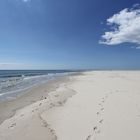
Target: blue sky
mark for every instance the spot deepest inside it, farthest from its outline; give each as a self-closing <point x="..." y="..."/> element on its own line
<point x="69" y="34"/>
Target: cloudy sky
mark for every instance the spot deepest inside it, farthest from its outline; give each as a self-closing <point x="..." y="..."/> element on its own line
<point x="69" y="34"/>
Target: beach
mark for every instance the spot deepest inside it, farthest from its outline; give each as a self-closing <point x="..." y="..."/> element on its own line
<point x="93" y="105"/>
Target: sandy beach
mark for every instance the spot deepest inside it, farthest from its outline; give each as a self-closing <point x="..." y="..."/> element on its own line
<point x="94" y="105"/>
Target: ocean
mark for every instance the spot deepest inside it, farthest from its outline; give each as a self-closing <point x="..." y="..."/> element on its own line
<point x="13" y="82"/>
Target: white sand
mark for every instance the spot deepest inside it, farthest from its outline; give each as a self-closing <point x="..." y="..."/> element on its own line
<point x="105" y="105"/>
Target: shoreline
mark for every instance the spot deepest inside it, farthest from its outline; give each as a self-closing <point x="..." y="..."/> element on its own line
<point x="101" y="105"/>
<point x="9" y="107"/>
<point x="31" y="114"/>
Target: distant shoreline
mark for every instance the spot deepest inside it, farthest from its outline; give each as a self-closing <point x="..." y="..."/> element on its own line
<point x="8" y="107"/>
<point x="16" y="82"/>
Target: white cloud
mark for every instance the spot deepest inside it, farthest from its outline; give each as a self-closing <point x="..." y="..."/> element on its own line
<point x="125" y="27"/>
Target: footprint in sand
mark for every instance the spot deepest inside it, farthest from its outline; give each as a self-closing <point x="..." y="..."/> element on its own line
<point x="52" y="105"/>
<point x="100" y="104"/>
<point x="101" y="121"/>
<point x="95" y="128"/>
<point x="60" y="103"/>
<point x="88" y="138"/>
<point x="102" y="109"/>
<point x="12" y="125"/>
<point x="98" y="113"/>
<point x="103" y="101"/>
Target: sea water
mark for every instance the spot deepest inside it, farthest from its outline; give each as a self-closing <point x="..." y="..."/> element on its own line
<point x="14" y="82"/>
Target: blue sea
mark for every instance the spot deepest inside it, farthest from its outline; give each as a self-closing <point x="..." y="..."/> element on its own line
<point x="13" y="82"/>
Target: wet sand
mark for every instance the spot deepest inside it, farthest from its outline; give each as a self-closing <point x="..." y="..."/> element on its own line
<point x="36" y="93"/>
